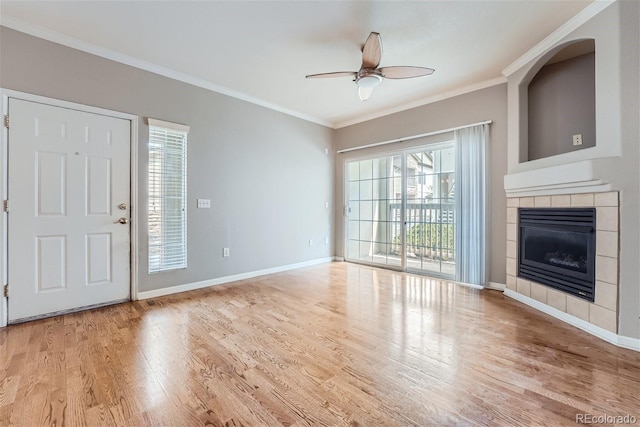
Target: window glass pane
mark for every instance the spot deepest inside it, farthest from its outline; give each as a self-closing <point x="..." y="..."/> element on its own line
<point x="167" y="220"/>
<point x="366" y="190"/>
<point x="366" y="169"/>
<point x="354" y="190"/>
<point x="380" y="167"/>
<point x="354" y="171"/>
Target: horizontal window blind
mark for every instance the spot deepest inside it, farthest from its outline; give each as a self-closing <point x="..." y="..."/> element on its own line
<point x="167" y="220"/>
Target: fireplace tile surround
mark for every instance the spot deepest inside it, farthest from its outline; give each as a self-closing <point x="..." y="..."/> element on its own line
<point x="603" y="311"/>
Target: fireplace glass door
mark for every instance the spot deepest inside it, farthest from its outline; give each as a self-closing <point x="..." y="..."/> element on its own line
<point x="557" y="248"/>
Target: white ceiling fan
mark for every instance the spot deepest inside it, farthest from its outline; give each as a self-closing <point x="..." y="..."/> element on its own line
<point x="369" y="76"/>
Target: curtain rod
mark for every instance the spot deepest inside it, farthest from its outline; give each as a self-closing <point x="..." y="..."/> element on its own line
<point x="391" y="141"/>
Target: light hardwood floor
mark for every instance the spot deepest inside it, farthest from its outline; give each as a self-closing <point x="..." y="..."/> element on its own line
<point x="333" y="344"/>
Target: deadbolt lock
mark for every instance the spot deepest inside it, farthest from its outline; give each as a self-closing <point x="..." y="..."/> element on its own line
<point x="122" y="206"/>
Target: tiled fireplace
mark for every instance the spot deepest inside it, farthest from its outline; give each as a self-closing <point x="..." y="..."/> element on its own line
<point x="603" y="311"/>
<point x="548" y="167"/>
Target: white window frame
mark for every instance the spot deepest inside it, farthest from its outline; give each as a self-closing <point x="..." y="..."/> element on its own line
<point x="167" y="213"/>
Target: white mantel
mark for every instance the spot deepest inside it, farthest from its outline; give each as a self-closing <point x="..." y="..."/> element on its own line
<point x="585" y="176"/>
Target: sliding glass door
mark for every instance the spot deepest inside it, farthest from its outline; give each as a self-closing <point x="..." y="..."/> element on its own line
<point x="401" y="210"/>
<point x="430" y="210"/>
<point x="374" y="222"/>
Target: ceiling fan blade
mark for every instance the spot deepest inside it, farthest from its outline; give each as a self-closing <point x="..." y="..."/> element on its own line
<point x="405" y="72"/>
<point x="336" y="74"/>
<point x="372" y="51"/>
<point x="364" y="92"/>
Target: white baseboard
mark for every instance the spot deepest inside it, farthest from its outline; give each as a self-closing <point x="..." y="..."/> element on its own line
<point x="466" y="285"/>
<point x="615" y="339"/>
<point x="226" y="279"/>
<point x="496" y="286"/>
<point x="628" y="342"/>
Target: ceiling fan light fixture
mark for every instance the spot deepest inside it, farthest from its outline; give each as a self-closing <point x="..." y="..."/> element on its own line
<point x="369" y="81"/>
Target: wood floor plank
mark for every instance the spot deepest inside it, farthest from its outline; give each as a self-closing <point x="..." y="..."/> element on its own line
<point x="336" y="344"/>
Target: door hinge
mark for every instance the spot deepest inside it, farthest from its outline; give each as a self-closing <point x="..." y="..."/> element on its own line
<point x="5" y="206"/>
<point x="6" y="291"/>
<point x="6" y="120"/>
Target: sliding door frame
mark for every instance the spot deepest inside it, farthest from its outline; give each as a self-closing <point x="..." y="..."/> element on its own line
<point x="403" y="153"/>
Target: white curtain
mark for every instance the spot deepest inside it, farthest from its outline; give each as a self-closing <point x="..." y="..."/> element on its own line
<point x="470" y="198"/>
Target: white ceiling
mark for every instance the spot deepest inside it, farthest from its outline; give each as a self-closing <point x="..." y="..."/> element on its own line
<point x="261" y="51"/>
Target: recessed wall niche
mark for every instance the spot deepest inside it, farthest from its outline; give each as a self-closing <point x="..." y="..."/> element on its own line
<point x="561" y="102"/>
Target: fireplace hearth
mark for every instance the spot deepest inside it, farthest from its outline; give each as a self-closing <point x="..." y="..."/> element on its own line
<point x="557" y="247"/>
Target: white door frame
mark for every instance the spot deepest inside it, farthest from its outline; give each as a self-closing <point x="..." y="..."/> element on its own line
<point x="6" y="94"/>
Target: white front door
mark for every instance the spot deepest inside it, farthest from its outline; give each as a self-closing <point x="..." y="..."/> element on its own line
<point x="68" y="184"/>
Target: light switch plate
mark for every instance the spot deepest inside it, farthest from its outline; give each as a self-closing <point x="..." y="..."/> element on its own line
<point x="204" y="203"/>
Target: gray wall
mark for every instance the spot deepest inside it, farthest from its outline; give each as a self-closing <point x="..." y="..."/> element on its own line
<point x="266" y="173"/>
<point x="485" y="104"/>
<point x="562" y="103"/>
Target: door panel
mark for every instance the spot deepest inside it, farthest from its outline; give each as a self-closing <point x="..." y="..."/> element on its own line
<point x="51" y="180"/>
<point x="68" y="172"/>
<point x="372" y="185"/>
<point x="98" y="186"/>
<point x="429" y="211"/>
<point x="50" y="263"/>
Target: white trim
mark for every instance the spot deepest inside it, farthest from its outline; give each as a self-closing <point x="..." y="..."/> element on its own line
<point x="555" y="37"/>
<point x="338" y="259"/>
<point x="568" y="178"/>
<point x="8" y="93"/>
<point x="134" y="212"/>
<point x="72" y="42"/>
<point x="430" y="100"/>
<point x="168" y="125"/>
<point x="409" y="138"/>
<point x="628" y="342"/>
<point x="466" y="285"/>
<point x="4" y="313"/>
<point x="610" y="337"/>
<point x="497" y="286"/>
<point x="227" y="279"/>
<point x="66" y="104"/>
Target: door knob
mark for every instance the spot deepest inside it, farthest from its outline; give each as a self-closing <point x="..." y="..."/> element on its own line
<point x="122" y="220"/>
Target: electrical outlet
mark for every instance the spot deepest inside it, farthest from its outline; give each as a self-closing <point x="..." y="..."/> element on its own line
<point x="225" y="252"/>
<point x="326" y="240"/>
<point x="326" y="151"/>
<point x="577" y="139"/>
<point x="326" y="205"/>
<point x="204" y="203"/>
<point x="310" y="242"/>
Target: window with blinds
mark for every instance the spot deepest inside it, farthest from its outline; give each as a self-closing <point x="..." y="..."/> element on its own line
<point x="167" y="220"/>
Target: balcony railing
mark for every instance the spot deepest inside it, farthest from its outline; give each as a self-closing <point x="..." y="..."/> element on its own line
<point x="429" y="229"/>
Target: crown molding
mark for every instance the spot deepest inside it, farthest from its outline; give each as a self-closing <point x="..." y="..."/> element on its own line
<point x="430" y="100"/>
<point x="72" y="42"/>
<point x="552" y="39"/>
